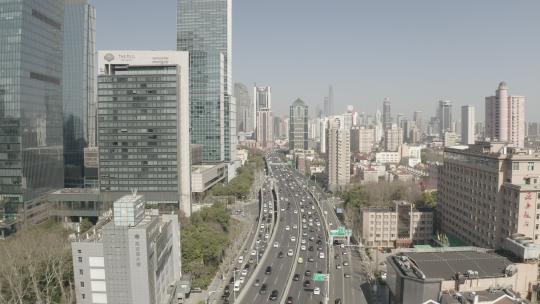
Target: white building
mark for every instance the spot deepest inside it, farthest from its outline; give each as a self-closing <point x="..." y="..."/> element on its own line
<point x="366" y="140"/>
<point x="339" y="155"/>
<point x="467" y="125"/>
<point x="131" y="258"/>
<point x="393" y="138"/>
<point x="505" y="117"/>
<point x="388" y="157"/>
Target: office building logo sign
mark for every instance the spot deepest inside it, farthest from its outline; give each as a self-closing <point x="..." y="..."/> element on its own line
<point x="109" y="57"/>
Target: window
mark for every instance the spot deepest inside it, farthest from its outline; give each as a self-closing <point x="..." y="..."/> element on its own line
<point x="79" y="251"/>
<point x="80" y="259"/>
<point x="83" y="296"/>
<point x="81" y="272"/>
<point x="530" y="166"/>
<point x="82" y="284"/>
<point x="515" y="166"/>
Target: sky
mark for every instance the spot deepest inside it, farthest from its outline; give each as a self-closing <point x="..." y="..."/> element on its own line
<point x="415" y="52"/>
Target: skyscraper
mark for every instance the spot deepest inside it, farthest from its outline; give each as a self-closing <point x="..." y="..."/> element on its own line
<point x="444" y="113"/>
<point x="386" y="115"/>
<point x="505" y="117"/>
<point x="298" y="125"/>
<point x="78" y="88"/>
<point x="262" y="97"/>
<point x="467" y="125"/>
<point x="204" y="29"/>
<point x="244" y="109"/>
<point x="31" y="146"/>
<point x="393" y="138"/>
<point x="265" y="128"/>
<point x="143" y="123"/>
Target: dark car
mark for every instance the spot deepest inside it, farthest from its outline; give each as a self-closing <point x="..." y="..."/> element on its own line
<point x="310" y="248"/>
<point x="307" y="273"/>
<point x="231" y="280"/>
<point x="280" y="254"/>
<point x="263" y="289"/>
<point x="337" y="301"/>
<point x="257" y="283"/>
<point x="289" y="300"/>
<point x="268" y="270"/>
<point x="307" y="283"/>
<point x="296" y="277"/>
<point x="273" y="296"/>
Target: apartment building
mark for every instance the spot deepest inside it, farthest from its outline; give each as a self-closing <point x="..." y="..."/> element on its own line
<point x="393" y="138"/>
<point x="398" y="226"/>
<point x="338" y="155"/>
<point x="489" y="191"/>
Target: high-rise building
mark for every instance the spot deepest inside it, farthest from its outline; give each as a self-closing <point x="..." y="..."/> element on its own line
<point x="387" y="114"/>
<point x="143" y="123"/>
<point x="467" y="125"/>
<point x="323" y="134"/>
<point x="204" y="29"/>
<point x="298" y="125"/>
<point x="338" y="154"/>
<point x="265" y="129"/>
<point x="244" y="109"/>
<point x="533" y="129"/>
<point x="262" y="97"/>
<point x="393" y="138"/>
<point x="444" y="114"/>
<point x="418" y="122"/>
<point x="79" y="89"/>
<point x="505" y="117"/>
<point x="132" y="257"/>
<point x="31" y="120"/>
<point x="489" y="191"/>
<point x="366" y="140"/>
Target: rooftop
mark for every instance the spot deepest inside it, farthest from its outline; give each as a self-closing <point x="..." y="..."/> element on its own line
<point x="445" y="265"/>
<point x="494" y="296"/>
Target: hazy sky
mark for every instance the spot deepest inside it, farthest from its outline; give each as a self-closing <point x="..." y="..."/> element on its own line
<point x="415" y="52"/>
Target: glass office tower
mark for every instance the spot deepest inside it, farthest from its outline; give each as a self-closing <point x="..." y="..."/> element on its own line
<point x="78" y="88"/>
<point x="31" y="152"/>
<point x="204" y="29"/>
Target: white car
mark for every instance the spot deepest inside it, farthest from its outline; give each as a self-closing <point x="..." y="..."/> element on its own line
<point x="241" y="280"/>
<point x="290" y="252"/>
<point x="253" y="252"/>
<point x="295" y="211"/>
<point x="295" y="226"/>
<point x="303" y="241"/>
<point x="321" y="255"/>
<point x="266" y="236"/>
<point x="287" y="228"/>
<point x="318" y="223"/>
<point x="293" y="239"/>
<point x="262" y="226"/>
<point x="282" y="209"/>
<point x="303" y="247"/>
<point x="241" y="259"/>
<point x="276" y="244"/>
<point x="244" y="273"/>
<point x="237" y="286"/>
<point x="316" y="291"/>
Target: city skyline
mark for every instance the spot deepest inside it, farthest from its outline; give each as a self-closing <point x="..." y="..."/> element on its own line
<point x="428" y="67"/>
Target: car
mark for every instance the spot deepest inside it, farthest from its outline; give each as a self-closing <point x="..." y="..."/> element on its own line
<point x="304" y="220"/>
<point x="321" y="255"/>
<point x="338" y="266"/>
<point x="290" y="252"/>
<point x="303" y="241"/>
<point x="268" y="270"/>
<point x="276" y="244"/>
<point x="262" y="290"/>
<point x="307" y="273"/>
<point x="282" y="209"/>
<point x="319" y="242"/>
<point x="293" y="239"/>
<point x="287" y="227"/>
<point x="241" y="280"/>
<point x="253" y="252"/>
<point x="274" y="295"/>
<point x="295" y="226"/>
<point x="347" y="275"/>
<point x="338" y="301"/>
<point x="307" y="283"/>
<point x="345" y="263"/>
<point x="316" y="291"/>
<point x="257" y="283"/>
<point x="303" y="247"/>
<point x="244" y="272"/>
<point x="344" y="252"/>
<point x="241" y="259"/>
<point x="262" y="226"/>
<point x="300" y="260"/>
<point x="318" y="223"/>
<point x="310" y="248"/>
<point x="236" y="286"/>
<point x="342" y="245"/>
<point x="295" y="211"/>
<point x="289" y="300"/>
<point x="280" y="255"/>
<point x="267" y="236"/>
<point x="231" y="280"/>
<point x="310" y="259"/>
<point x="296" y="277"/>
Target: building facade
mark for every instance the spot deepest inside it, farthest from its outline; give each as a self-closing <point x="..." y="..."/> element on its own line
<point x="467" y="125"/>
<point x="488" y="192"/>
<point x="366" y="140"/>
<point x="143" y="122"/>
<point x="265" y="129"/>
<point x="31" y="122"/>
<point x="505" y="117"/>
<point x="444" y="114"/>
<point x="338" y="155"/>
<point x="398" y="226"/>
<point x="133" y="257"/>
<point x="393" y="138"/>
<point x="204" y="29"/>
<point x="244" y="109"/>
<point x="387" y="114"/>
<point x="298" y="125"/>
<point x="79" y="88"/>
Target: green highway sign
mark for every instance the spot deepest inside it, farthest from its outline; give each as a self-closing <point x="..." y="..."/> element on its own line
<point x="320" y="277"/>
<point x="341" y="231"/>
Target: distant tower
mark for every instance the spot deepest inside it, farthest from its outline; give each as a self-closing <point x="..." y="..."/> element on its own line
<point x="298" y="126"/>
<point x="505" y="117"/>
<point x="467" y="125"/>
<point x="330" y="100"/>
<point x="387" y="115"/>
